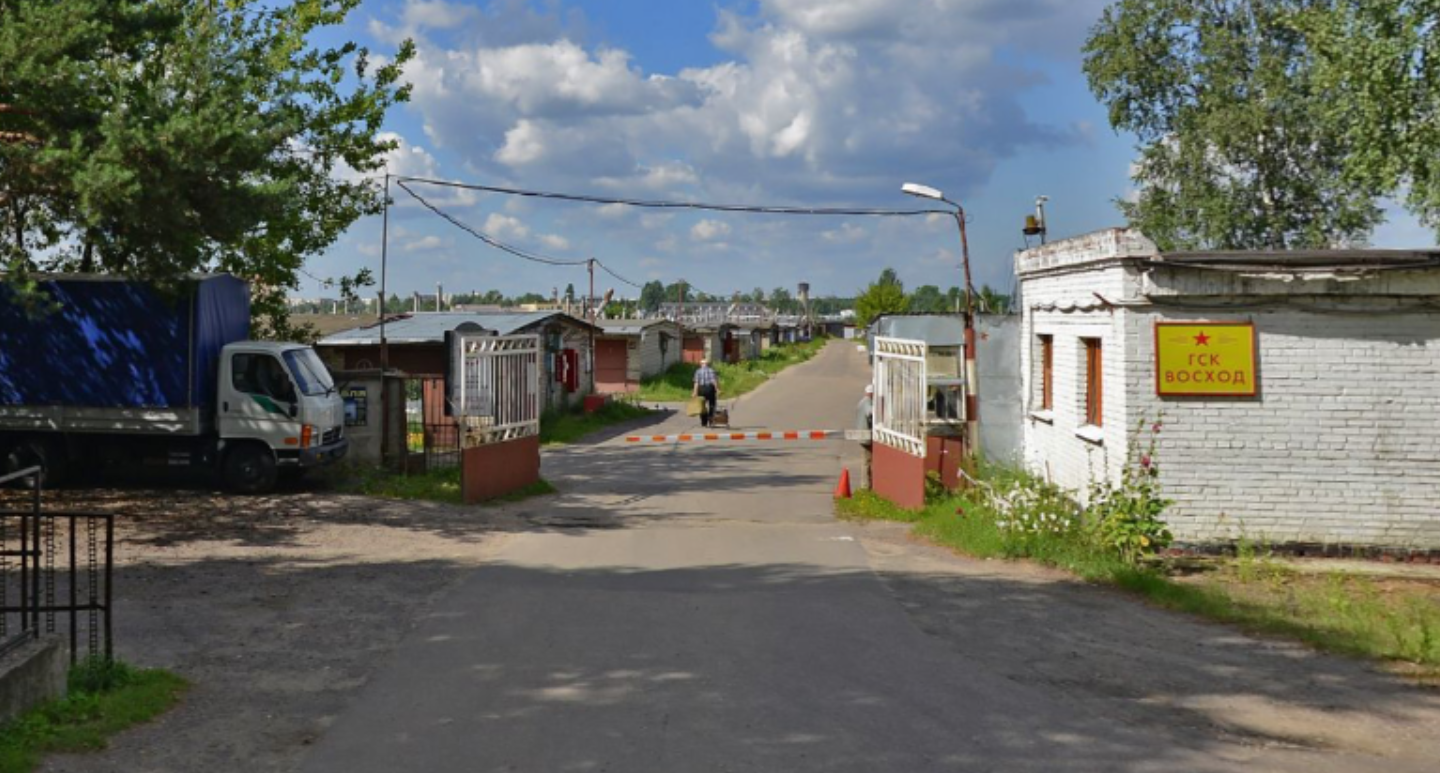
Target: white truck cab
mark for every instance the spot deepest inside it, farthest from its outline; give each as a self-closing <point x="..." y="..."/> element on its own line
<point x="277" y="410"/>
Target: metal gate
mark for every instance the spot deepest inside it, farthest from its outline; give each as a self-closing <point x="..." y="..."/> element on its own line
<point x="900" y="397"/>
<point x="50" y="574"/>
<point x="431" y="436"/>
<point x="496" y="393"/>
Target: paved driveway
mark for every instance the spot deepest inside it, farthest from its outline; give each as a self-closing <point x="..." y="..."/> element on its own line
<point x="697" y="608"/>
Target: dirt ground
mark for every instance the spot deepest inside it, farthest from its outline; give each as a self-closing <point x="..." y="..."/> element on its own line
<point x="275" y="609"/>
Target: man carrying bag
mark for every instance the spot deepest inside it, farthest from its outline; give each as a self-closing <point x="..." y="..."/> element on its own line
<point x="706" y="391"/>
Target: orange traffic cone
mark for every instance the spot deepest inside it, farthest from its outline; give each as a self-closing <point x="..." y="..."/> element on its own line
<point x="842" y="489"/>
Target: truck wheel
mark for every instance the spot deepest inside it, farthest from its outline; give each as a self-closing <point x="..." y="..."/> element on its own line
<point x="250" y="469"/>
<point x="36" y="451"/>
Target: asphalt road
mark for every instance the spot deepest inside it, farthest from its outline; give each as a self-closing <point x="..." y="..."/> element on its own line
<point x="698" y="608"/>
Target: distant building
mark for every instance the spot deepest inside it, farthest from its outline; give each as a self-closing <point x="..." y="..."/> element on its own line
<point x="710" y="312"/>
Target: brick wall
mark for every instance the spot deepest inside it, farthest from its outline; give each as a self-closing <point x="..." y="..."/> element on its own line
<point x="1057" y="444"/>
<point x="1341" y="446"/>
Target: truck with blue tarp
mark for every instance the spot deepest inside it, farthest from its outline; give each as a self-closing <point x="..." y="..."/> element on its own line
<point x="109" y="371"/>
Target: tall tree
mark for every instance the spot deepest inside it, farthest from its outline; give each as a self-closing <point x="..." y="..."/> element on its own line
<point x="988" y="300"/>
<point x="651" y="296"/>
<point x="927" y="298"/>
<point x="154" y="138"/>
<point x="1380" y="61"/>
<point x="1225" y="101"/>
<point x="885" y="295"/>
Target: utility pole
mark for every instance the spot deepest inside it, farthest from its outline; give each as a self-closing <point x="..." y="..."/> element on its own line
<point x="384" y="347"/>
<point x="590" y="304"/>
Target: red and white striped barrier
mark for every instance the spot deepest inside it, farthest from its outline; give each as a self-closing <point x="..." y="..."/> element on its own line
<point x="711" y="437"/>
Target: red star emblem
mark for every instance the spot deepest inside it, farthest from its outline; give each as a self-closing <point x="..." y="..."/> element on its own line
<point x="1202" y="339"/>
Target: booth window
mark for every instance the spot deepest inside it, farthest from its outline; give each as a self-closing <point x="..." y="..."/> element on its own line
<point x="1047" y="372"/>
<point x="1094" y="383"/>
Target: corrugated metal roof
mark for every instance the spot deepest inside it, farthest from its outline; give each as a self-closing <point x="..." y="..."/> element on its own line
<point x="933" y="329"/>
<point x="431" y="326"/>
<point x="1303" y="260"/>
<point x="630" y="326"/>
<point x="424" y="327"/>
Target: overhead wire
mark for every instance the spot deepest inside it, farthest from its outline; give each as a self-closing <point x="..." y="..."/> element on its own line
<point x="661" y="204"/>
<point x="490" y="240"/>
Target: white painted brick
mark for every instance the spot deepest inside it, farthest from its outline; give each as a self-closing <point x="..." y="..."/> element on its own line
<point x="1341" y="445"/>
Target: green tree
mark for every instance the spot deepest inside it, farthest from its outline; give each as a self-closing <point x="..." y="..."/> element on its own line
<point x="1228" y="111"/>
<point x="651" y="296"/>
<point x="1380" y="62"/>
<point x="782" y="302"/>
<point x="154" y="138"/>
<point x="927" y="298"/>
<point x="885" y="295"/>
<point x="988" y="300"/>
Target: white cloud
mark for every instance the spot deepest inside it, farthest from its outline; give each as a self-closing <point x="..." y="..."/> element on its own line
<point x="661" y="177"/>
<point x="505" y="227"/>
<point x="555" y="242"/>
<point x="426" y="244"/>
<point x="709" y="230"/>
<point x="847" y="233"/>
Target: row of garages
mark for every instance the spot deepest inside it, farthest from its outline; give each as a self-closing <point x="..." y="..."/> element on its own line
<point x="625" y="351"/>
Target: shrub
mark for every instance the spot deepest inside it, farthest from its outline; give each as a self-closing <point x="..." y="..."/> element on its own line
<point x="1125" y="516"/>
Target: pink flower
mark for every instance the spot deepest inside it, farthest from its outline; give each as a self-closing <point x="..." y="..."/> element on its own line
<point x="1145" y="461"/>
<point x="1155" y="427"/>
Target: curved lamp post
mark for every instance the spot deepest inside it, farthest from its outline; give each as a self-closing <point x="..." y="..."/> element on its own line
<point x="972" y="380"/>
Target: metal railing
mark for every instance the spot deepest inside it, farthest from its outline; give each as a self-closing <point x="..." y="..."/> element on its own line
<point x="44" y="578"/>
<point x="901" y="394"/>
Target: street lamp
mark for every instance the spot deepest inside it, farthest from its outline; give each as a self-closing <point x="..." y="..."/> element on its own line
<point x="972" y="379"/>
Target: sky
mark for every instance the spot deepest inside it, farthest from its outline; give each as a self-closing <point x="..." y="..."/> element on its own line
<point x="800" y="103"/>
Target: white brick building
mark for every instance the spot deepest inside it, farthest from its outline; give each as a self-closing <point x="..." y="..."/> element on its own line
<point x="1340" y="445"/>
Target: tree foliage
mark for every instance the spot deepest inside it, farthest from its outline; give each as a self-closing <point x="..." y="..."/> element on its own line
<point x="1380" y="61"/>
<point x="1227" y="104"/>
<point x="885" y="295"/>
<point x="928" y="299"/>
<point x="154" y="138"/>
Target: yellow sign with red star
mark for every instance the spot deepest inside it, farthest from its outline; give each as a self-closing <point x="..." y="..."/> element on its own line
<point x="1205" y="359"/>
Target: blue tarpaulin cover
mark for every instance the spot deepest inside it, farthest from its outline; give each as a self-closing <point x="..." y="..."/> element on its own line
<point x="121" y="344"/>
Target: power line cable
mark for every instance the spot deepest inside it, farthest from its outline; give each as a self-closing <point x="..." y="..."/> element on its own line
<point x="660" y="204"/>
<point x="493" y="242"/>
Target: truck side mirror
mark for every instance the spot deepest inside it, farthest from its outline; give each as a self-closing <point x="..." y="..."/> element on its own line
<point x="294" y="410"/>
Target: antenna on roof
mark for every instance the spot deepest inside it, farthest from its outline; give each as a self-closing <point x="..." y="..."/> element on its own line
<point x="1035" y="224"/>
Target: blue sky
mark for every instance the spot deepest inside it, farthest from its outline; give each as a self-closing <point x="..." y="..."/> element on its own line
<point x="780" y="102"/>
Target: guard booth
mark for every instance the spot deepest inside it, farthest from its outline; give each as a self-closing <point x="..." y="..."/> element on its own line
<point x="496" y="398"/>
<point x="918" y="416"/>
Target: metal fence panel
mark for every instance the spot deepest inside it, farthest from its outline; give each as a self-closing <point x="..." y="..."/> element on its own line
<point x="47" y="572"/>
<point x="497" y="395"/>
<point x="900" y="394"/>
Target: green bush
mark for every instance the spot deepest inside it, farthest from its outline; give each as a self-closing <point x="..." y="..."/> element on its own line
<point x="1126" y="516"/>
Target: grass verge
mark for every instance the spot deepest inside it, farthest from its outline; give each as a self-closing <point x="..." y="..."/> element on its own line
<point x="559" y="427"/>
<point x="104" y="699"/>
<point x="674" y="385"/>
<point x="441" y="485"/>
<point x="1390" y="620"/>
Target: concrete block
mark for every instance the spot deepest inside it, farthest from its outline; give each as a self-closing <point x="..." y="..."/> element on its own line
<point x="31" y="676"/>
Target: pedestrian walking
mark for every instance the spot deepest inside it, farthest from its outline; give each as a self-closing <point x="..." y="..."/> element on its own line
<point x="707" y="388"/>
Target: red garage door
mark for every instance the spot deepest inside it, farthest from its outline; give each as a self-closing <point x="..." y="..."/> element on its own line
<point x="694" y="350"/>
<point x="612" y="366"/>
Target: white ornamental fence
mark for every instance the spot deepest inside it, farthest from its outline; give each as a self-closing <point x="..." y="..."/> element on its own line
<point x="495" y="395"/>
<point x="899" y="406"/>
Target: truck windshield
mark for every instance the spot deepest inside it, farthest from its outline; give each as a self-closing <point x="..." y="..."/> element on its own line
<point x="310" y="374"/>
